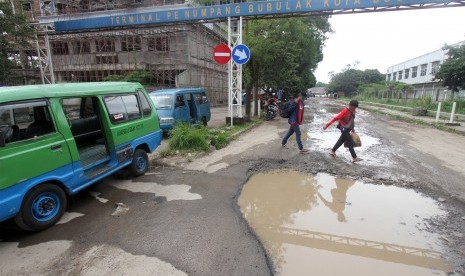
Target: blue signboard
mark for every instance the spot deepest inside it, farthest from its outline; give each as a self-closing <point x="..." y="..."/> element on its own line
<point x="241" y="54"/>
<point x="258" y="8"/>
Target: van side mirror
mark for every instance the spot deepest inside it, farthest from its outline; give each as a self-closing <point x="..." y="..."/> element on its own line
<point x="2" y="140"/>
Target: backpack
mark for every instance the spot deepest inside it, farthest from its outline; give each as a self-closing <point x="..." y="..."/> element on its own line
<point x="284" y="111"/>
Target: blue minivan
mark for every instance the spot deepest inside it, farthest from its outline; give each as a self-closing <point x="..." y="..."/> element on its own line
<point x="189" y="105"/>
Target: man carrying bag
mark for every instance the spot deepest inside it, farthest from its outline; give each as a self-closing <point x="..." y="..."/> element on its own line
<point x="346" y="124"/>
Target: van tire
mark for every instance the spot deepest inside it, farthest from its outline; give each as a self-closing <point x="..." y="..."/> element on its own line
<point x="140" y="163"/>
<point x="204" y="121"/>
<point x="32" y="216"/>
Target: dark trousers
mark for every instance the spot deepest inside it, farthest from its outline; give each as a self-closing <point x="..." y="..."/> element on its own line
<point x="293" y="128"/>
<point x="345" y="137"/>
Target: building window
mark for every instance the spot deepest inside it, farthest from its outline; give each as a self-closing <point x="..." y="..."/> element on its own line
<point x="414" y="71"/>
<point x="407" y="73"/>
<point x="159" y="44"/>
<point x="394" y="75"/>
<point x="434" y="67"/>
<point x="131" y="43"/>
<point x="113" y="59"/>
<point x="59" y="48"/>
<point x="388" y="77"/>
<point x="105" y="45"/>
<point x="81" y="47"/>
<point x="424" y="67"/>
<point x="26" y="6"/>
<point x="400" y="75"/>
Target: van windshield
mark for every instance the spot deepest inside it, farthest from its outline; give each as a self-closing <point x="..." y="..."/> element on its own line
<point x="162" y="101"/>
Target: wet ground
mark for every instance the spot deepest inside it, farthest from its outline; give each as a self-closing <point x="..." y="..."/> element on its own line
<point x="255" y="208"/>
<point x="339" y="226"/>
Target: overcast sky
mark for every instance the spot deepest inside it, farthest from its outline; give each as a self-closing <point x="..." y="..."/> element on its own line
<point x="381" y="39"/>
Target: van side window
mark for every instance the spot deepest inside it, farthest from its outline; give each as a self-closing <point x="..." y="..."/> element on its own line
<point x="146" y="110"/>
<point x="122" y="108"/>
<point x="180" y="100"/>
<point x="198" y="98"/>
<point x="23" y="121"/>
<point x="78" y="108"/>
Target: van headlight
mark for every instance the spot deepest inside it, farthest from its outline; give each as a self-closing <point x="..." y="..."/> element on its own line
<point x="167" y="120"/>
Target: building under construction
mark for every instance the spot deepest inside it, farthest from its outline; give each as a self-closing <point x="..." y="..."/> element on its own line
<point x="165" y="56"/>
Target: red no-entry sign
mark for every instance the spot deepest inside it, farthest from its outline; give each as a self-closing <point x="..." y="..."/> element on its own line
<point x="222" y="53"/>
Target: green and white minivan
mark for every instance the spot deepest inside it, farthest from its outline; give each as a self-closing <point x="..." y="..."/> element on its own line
<point x="56" y="140"/>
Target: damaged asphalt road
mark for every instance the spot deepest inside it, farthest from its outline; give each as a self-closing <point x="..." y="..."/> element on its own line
<point x="186" y="219"/>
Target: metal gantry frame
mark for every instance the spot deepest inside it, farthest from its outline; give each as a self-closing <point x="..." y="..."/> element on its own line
<point x="44" y="52"/>
<point x="45" y="59"/>
<point x="234" y="70"/>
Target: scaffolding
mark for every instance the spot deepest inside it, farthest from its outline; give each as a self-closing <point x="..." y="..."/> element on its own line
<point x="162" y="56"/>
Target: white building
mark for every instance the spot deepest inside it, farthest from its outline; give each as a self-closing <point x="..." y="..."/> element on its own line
<point x="420" y="72"/>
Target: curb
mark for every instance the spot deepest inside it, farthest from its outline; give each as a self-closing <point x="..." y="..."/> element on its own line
<point x="248" y="128"/>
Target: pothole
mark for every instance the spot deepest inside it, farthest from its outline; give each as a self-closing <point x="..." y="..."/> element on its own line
<point x="322" y="225"/>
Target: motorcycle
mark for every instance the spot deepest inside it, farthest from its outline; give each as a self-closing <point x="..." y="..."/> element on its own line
<point x="271" y="111"/>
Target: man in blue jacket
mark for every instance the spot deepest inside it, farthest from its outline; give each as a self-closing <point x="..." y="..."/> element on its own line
<point x="296" y="110"/>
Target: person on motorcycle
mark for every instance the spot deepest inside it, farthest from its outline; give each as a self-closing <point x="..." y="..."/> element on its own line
<point x="271" y="108"/>
<point x="296" y="110"/>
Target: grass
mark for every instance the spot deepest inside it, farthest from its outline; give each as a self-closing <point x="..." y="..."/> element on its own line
<point x="426" y="103"/>
<point x="417" y="121"/>
<point x="187" y="140"/>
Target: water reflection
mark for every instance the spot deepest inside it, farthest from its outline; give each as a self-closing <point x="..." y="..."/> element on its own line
<point x="339" y="195"/>
<point x="293" y="215"/>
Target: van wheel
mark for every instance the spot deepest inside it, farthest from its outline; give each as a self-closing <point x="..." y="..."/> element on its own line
<point x="42" y="207"/>
<point x="204" y="121"/>
<point x="140" y="163"/>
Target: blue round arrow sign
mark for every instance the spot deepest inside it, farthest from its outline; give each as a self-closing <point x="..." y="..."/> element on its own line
<point x="241" y="54"/>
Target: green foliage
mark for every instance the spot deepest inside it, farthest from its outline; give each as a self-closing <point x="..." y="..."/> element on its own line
<point x="15" y="33"/>
<point x="114" y="78"/>
<point x="452" y="71"/>
<point x="143" y="77"/>
<point x="219" y="140"/>
<point x="350" y="79"/>
<point x="370" y="91"/>
<point x="185" y="137"/>
<point x="285" y="52"/>
<point x="426" y="103"/>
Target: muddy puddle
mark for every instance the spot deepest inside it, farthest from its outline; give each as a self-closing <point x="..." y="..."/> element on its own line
<point x="322" y="225"/>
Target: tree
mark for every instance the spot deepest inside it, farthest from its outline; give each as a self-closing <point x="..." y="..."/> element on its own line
<point x="321" y="84"/>
<point x="349" y="80"/>
<point x="15" y="33"/>
<point x="452" y="71"/>
<point x="285" y="52"/>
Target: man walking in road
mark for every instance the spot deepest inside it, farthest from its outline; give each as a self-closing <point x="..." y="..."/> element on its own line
<point x="346" y="124"/>
<point x="296" y="111"/>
